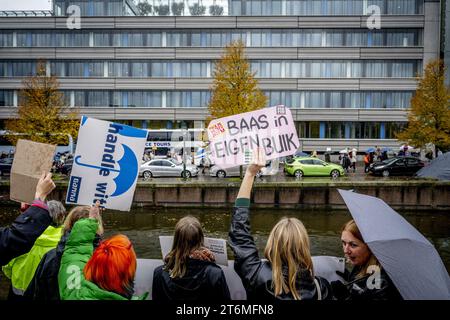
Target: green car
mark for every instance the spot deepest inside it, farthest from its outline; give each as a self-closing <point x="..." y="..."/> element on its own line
<point x="307" y="166"/>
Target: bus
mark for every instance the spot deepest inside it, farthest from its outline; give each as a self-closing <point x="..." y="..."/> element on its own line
<point x="177" y="143"/>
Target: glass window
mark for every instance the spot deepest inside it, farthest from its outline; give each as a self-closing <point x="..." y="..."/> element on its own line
<point x="6" y="98"/>
<point x="102" y="39"/>
<point x="139" y="69"/>
<point x="98" y="98"/>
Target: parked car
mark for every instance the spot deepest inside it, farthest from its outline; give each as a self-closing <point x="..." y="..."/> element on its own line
<point x="270" y="168"/>
<point x="399" y="166"/>
<point x="166" y="168"/>
<point x="66" y="168"/>
<point x="307" y="166"/>
<point x="5" y="165"/>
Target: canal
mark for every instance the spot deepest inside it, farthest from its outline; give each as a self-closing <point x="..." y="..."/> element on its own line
<point x="143" y="226"/>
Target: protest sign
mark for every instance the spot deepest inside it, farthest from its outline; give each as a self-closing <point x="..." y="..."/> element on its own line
<point x="30" y="160"/>
<point x="106" y="164"/>
<point x="232" y="139"/>
<point x="217" y="246"/>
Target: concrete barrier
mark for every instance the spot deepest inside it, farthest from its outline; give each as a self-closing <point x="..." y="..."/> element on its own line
<point x="403" y="195"/>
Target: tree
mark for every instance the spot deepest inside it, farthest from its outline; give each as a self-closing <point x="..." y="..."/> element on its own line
<point x="235" y="90"/>
<point x="145" y="8"/>
<point x="429" y="117"/>
<point x="42" y="116"/>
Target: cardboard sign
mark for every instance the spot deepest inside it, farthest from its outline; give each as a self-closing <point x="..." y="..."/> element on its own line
<point x="30" y="160"/>
<point x="106" y="164"/>
<point x="232" y="139"/>
<point x="217" y="246"/>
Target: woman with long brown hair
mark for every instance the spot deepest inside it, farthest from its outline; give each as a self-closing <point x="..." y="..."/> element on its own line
<point x="288" y="272"/>
<point x="189" y="271"/>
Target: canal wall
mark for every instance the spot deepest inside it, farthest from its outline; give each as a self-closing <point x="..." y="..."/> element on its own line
<point x="403" y="195"/>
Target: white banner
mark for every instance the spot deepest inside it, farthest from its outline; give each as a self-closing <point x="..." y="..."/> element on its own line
<point x="106" y="164"/>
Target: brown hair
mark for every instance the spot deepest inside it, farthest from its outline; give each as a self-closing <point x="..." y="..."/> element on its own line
<point x="78" y="213"/>
<point x="288" y="245"/>
<point x="188" y="237"/>
<point x="351" y="227"/>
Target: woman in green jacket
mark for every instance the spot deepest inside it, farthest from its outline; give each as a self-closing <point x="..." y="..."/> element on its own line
<point x="21" y="269"/>
<point x="104" y="274"/>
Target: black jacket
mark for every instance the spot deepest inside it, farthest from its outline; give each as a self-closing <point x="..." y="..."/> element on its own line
<point x="256" y="274"/>
<point x="44" y="285"/>
<point x="203" y="281"/>
<point x="19" y="238"/>
<point x="357" y="289"/>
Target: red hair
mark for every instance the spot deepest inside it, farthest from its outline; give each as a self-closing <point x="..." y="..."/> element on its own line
<point x="113" y="266"/>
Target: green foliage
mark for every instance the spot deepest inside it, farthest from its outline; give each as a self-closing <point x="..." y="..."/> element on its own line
<point x="429" y="117"/>
<point x="42" y="116"/>
<point x="235" y="90"/>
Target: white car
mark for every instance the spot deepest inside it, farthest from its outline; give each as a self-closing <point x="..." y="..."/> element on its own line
<point x="166" y="168"/>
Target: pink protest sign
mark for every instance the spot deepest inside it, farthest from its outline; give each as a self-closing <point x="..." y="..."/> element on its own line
<point x="232" y="139"/>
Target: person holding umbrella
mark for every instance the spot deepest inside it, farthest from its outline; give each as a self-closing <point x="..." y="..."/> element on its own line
<point x="367" y="280"/>
<point x="403" y="254"/>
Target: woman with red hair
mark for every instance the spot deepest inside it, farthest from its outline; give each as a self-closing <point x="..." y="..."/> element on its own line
<point x="104" y="274"/>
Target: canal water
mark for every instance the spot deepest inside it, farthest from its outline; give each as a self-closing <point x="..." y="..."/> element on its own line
<point x="144" y="225"/>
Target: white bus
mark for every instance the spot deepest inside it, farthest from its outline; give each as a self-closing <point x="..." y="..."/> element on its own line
<point x="177" y="142"/>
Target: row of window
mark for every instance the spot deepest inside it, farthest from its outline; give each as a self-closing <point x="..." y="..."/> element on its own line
<point x="349" y="130"/>
<point x="203" y="69"/>
<point x="214" y="38"/>
<point x="241" y="7"/>
<point x="200" y="98"/>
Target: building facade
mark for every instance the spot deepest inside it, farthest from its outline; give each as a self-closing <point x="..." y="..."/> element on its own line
<point x="348" y="84"/>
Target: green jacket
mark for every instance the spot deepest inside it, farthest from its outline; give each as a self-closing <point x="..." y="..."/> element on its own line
<point x="77" y="252"/>
<point x="21" y="269"/>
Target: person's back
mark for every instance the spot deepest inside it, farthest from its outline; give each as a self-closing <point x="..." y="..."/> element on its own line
<point x="44" y="285"/>
<point x="203" y="281"/>
<point x="287" y="274"/>
<point x="21" y="269"/>
<point x="104" y="274"/>
<point x="189" y="271"/>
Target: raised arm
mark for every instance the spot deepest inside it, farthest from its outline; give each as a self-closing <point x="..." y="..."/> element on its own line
<point x="246" y="258"/>
<point x="20" y="237"/>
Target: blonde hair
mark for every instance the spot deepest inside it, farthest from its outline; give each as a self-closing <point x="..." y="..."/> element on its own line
<point x="188" y="237"/>
<point x="78" y="213"/>
<point x="351" y="227"/>
<point x="288" y="245"/>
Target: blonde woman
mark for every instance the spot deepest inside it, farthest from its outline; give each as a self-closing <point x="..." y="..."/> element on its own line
<point x="189" y="271"/>
<point x="288" y="272"/>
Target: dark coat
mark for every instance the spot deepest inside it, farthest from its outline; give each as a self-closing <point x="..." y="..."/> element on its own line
<point x="203" y="281"/>
<point x="44" y="285"/>
<point x="256" y="274"/>
<point x="357" y="289"/>
<point x="19" y="238"/>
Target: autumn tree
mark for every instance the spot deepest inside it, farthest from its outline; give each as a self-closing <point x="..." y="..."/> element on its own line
<point x="235" y="89"/>
<point x="429" y="117"/>
<point x="42" y="116"/>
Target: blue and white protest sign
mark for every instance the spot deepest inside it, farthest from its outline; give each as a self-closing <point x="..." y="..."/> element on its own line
<point x="106" y="164"/>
